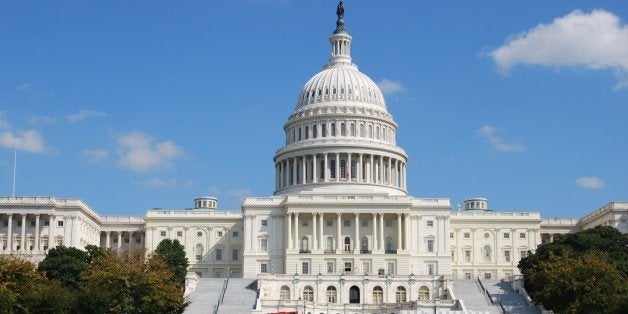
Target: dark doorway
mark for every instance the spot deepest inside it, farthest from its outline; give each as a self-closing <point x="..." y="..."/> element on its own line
<point x="354" y="295"/>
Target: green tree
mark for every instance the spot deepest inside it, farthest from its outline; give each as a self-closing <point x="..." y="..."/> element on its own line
<point x="65" y="264"/>
<point x="173" y="254"/>
<point x="582" y="272"/>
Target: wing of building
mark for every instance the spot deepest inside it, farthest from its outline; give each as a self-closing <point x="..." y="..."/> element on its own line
<point x="340" y="228"/>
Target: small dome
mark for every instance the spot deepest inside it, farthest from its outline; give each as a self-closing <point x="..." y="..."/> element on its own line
<point x="340" y="82"/>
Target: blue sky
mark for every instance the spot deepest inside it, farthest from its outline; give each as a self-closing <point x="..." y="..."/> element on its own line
<point x="131" y="105"/>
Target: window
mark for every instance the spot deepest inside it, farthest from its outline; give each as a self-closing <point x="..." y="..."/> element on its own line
<point x="308" y="294"/>
<point x="263" y="244"/>
<point x="507" y="255"/>
<point x="506" y="235"/>
<point x="307" y="132"/>
<point x="451" y="235"/>
<point x="424" y="293"/>
<point x="523" y="254"/>
<point x="332" y="127"/>
<point x="330" y="267"/>
<point x="126" y="240"/>
<point x="389" y="223"/>
<point x="59" y="223"/>
<point x="305" y="223"/>
<point x="378" y="295"/>
<point x="331" y="294"/>
<point x="391" y="268"/>
<point x="430" y="223"/>
<point x="347" y="244"/>
<point x="199" y="234"/>
<point x="431" y="268"/>
<point x="234" y="234"/>
<point x="19" y="223"/>
<point x="163" y="233"/>
<point x="343" y="130"/>
<point x="234" y="254"/>
<point x="487" y="235"/>
<point x="305" y="245"/>
<point x="430" y="245"/>
<point x="314" y="131"/>
<point x="46" y="223"/>
<point x="220" y="234"/>
<point x="263" y="268"/>
<point x="364" y="244"/>
<point x="138" y="240"/>
<point x="365" y="223"/>
<point x="467" y="255"/>
<point x="329" y="248"/>
<point x="389" y="245"/>
<point x="488" y="275"/>
<point x="284" y="293"/>
<point x="32" y="223"/>
<point x="329" y="223"/>
<point x="264" y="222"/>
<point x="522" y="235"/>
<point x="347" y="223"/>
<point x="366" y="267"/>
<point x="179" y="233"/>
<point x="219" y="254"/>
<point x="6" y="223"/>
<point x="487" y="253"/>
<point x="467" y="235"/>
<point x="199" y="252"/>
<point x="324" y="130"/>
<point x="305" y="268"/>
<point x="400" y="294"/>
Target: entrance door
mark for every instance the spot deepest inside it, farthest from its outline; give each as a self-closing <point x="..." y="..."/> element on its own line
<point x="354" y="295"/>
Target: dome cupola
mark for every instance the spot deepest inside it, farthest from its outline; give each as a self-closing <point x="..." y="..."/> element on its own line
<point x="340" y="137"/>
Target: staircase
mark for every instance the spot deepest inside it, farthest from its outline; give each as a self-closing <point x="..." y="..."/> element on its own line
<point x="511" y="301"/>
<point x="475" y="301"/>
<point x="206" y="296"/>
<point x="240" y="296"/>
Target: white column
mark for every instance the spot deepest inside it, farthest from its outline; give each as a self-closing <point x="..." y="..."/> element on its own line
<point x="107" y="239"/>
<point x="356" y="248"/>
<point x="294" y="171"/>
<point x="406" y="241"/>
<point x="337" y="167"/>
<point x="348" y="171"/>
<point x="338" y="232"/>
<point x="23" y="234"/>
<point x="314" y="234"/>
<point x="389" y="172"/>
<point x="380" y="172"/>
<point x="396" y="183"/>
<point x="371" y="170"/>
<point x="314" y="173"/>
<point x="382" y="245"/>
<point x="286" y="170"/>
<point x="374" y="245"/>
<point x="37" y="249"/>
<point x="75" y="231"/>
<point x="399" y="239"/>
<point x="321" y="231"/>
<point x="296" y="231"/>
<point x="360" y="168"/>
<point x="51" y="233"/>
<point x="325" y="168"/>
<point x="303" y="170"/>
<point x="10" y="233"/>
<point x="119" y="240"/>
<point x="289" y="215"/>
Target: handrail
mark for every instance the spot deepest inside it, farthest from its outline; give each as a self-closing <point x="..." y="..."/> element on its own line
<point x="225" y="284"/>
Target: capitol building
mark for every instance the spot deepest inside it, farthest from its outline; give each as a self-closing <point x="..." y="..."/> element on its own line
<point x="340" y="227"/>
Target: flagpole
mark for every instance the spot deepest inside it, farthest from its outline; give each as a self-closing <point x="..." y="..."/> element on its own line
<point x="14" y="166"/>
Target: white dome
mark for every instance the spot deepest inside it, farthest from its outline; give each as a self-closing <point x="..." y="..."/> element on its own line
<point x="340" y="82"/>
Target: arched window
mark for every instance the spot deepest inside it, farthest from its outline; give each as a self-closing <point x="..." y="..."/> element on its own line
<point x="378" y="295"/>
<point x="305" y="245"/>
<point x="364" y="244"/>
<point x="352" y="129"/>
<point x="400" y="294"/>
<point x="284" y="293"/>
<point x="343" y="167"/>
<point x="332" y="168"/>
<point x="347" y="244"/>
<point x="314" y="131"/>
<point x="389" y="245"/>
<point x="331" y="294"/>
<point x="324" y="130"/>
<point x="308" y="294"/>
<point x="199" y="252"/>
<point x="343" y="129"/>
<point x="333" y="129"/>
<point x="487" y="254"/>
<point x="330" y="244"/>
<point x="362" y="133"/>
<point x="307" y="132"/>
<point x="424" y="293"/>
<point x="377" y="132"/>
<point x="370" y="131"/>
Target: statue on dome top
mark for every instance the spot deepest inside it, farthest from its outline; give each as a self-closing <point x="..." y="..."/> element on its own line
<point x="340" y="23"/>
<point x="340" y="11"/>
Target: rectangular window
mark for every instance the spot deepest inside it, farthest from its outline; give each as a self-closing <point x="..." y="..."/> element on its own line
<point x="523" y="254"/>
<point x="330" y="267"/>
<point x="220" y="234"/>
<point x="430" y="223"/>
<point x="219" y="254"/>
<point x="234" y="254"/>
<point x="451" y="235"/>
<point x="391" y="268"/>
<point x="366" y="267"/>
<point x="126" y="240"/>
<point x="314" y="131"/>
<point x="263" y="245"/>
<point x="264" y="222"/>
<point x="32" y="223"/>
<point x="507" y="256"/>
<point x="138" y="240"/>
<point x="365" y="223"/>
<point x="329" y="223"/>
<point x="263" y="268"/>
<point x="431" y="268"/>
<point x="389" y="223"/>
<point x="467" y="235"/>
<point x="179" y="233"/>
<point x="163" y="233"/>
<point x="467" y="255"/>
<point x="347" y="223"/>
<point x="5" y="223"/>
<point x="234" y="234"/>
<point x="19" y="223"/>
<point x="506" y="235"/>
<point x="305" y="223"/>
<point x="522" y="235"/>
<point x="452" y="255"/>
<point x="305" y="268"/>
<point x="430" y="245"/>
<point x="46" y="223"/>
<point x="60" y="223"/>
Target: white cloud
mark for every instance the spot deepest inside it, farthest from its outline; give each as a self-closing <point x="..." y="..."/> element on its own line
<point x="84" y="114"/>
<point x="4" y="124"/>
<point x="29" y="141"/>
<point x="590" y="182"/>
<point x="595" y="40"/>
<point x="389" y="86"/>
<point x="94" y="155"/>
<point x="140" y="153"/>
<point x="490" y="135"/>
<point x="24" y="88"/>
<point x="158" y="183"/>
<point x="41" y="120"/>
